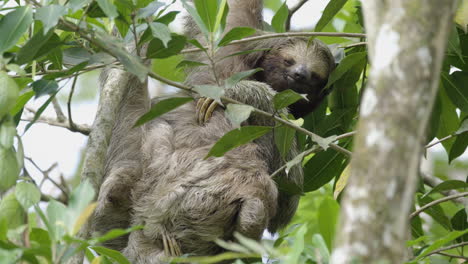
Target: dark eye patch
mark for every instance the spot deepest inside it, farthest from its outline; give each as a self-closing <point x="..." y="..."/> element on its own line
<point x="289" y="62"/>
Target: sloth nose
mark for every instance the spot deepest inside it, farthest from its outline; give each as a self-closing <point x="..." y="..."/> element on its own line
<point x="300" y="73"/>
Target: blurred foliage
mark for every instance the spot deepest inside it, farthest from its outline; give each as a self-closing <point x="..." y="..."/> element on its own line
<point x="47" y="48"/>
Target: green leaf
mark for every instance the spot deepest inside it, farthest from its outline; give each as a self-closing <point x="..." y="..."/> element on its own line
<point x="460" y="222"/>
<point x="454" y="44"/>
<point x="463" y="127"/>
<point x="9" y="168"/>
<point x="10" y="256"/>
<point x="13" y="25"/>
<point x="332" y="8"/>
<point x="12" y="211"/>
<point x="207" y="10"/>
<point x="27" y="194"/>
<point x="56" y="58"/>
<point x="319" y="243"/>
<point x="237" y="77"/>
<point x="284" y="137"/>
<point x="57" y="217"/>
<point x="449" y="121"/>
<point x="286" y="98"/>
<point x="157" y="49"/>
<point x="346" y="65"/>
<point x="49" y="15"/>
<point x="132" y="63"/>
<point x="80" y="198"/>
<point x="114" y="233"/>
<point x="211" y="91"/>
<point x="298" y="246"/>
<point x="108" y="8"/>
<point x="31" y="48"/>
<point x="40" y="236"/>
<point x="456" y="86"/>
<point x="441" y="242"/>
<point x="436" y="212"/>
<point x="7" y="134"/>
<point x="75" y="56"/>
<point x="447" y="185"/>
<point x="236" y="138"/>
<point x="459" y="146"/>
<point x="328" y="217"/>
<point x="236" y="34"/>
<point x="322" y="168"/>
<point x="75" y="5"/>
<point x="196" y="17"/>
<point x="221" y="15"/>
<point x="113" y="254"/>
<point x="278" y="22"/>
<point x="43" y="87"/>
<point x="68" y="72"/>
<point x="149" y="10"/>
<point x="161" y="32"/>
<point x="162" y="107"/>
<point x="238" y="113"/>
<point x="167" y="18"/>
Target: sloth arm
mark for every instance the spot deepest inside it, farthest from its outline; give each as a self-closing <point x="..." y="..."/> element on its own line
<point x="123" y="167"/>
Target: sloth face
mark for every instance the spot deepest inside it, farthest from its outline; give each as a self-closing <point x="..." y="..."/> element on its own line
<point x="300" y="67"/>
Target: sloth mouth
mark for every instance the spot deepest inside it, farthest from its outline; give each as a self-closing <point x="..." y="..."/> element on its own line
<point x="298" y="86"/>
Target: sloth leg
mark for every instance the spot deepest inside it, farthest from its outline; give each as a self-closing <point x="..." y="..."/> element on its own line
<point x="205" y="108"/>
<point x="252" y="219"/>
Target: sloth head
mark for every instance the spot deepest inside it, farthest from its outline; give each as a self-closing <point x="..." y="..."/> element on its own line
<point x="300" y="65"/>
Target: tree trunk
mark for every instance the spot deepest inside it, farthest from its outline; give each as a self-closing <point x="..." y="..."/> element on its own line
<point x="407" y="41"/>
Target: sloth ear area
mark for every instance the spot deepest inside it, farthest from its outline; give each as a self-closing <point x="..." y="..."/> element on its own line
<point x="254" y="59"/>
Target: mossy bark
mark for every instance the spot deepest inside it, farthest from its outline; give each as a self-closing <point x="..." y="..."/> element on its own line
<point x="407" y="40"/>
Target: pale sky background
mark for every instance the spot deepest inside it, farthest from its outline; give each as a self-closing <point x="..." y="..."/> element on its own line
<point x="47" y="144"/>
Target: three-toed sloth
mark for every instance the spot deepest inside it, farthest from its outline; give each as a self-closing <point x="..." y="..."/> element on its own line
<point x="156" y="174"/>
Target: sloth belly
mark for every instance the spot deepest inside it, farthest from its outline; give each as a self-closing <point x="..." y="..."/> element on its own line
<point x="196" y="200"/>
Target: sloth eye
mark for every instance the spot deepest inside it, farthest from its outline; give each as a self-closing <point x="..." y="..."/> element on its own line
<point x="289" y="62"/>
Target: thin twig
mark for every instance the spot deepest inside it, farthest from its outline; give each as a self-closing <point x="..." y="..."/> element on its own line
<point x="354" y="45"/>
<point x="433" y="182"/>
<point x="441" y="200"/>
<point x="314" y="149"/>
<point x="440" y="141"/>
<point x="70" y="120"/>
<point x="437" y="251"/>
<point x="286" y="35"/>
<point x="83" y="129"/>
<point x="45" y="173"/>
<point x="87" y="69"/>
<point x="58" y="110"/>
<point x="451" y="256"/>
<point x="345" y="135"/>
<point x="291" y="12"/>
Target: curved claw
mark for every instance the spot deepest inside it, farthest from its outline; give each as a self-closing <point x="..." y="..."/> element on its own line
<point x="205" y="108"/>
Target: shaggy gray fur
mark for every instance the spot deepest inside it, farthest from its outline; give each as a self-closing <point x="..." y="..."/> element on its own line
<point x="156" y="174"/>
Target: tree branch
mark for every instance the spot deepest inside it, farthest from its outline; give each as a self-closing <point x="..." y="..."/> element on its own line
<point x="58" y="110"/>
<point x="292" y="11"/>
<point x="438" y="251"/>
<point x="433" y="182"/>
<point x="284" y="35"/>
<point x="451" y="256"/>
<point x="83" y="129"/>
<point x="387" y="147"/>
<point x="436" y="202"/>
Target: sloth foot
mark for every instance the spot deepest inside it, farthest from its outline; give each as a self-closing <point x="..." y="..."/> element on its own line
<point x="205" y="108"/>
<point x="171" y="247"/>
